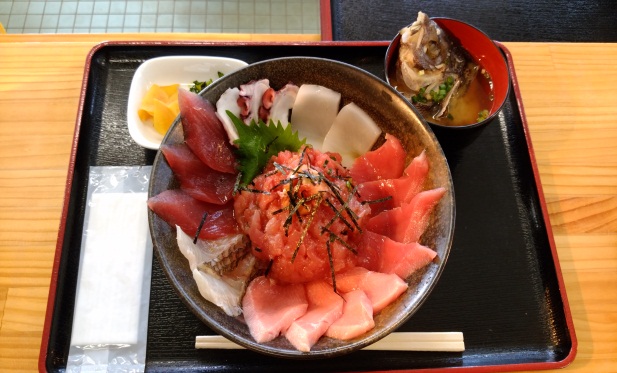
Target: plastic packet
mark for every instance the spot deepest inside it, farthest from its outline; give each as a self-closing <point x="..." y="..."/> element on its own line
<point x="110" y="322"/>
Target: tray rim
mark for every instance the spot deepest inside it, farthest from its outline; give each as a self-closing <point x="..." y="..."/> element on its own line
<point x="42" y="363"/>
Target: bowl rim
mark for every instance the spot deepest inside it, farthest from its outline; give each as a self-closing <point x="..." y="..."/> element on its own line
<point x="392" y="52"/>
<point x="249" y="343"/>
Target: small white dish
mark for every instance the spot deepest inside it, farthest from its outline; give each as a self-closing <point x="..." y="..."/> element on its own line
<point x="169" y="70"/>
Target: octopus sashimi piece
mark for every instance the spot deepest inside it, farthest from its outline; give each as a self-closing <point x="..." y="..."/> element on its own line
<point x="314" y="111"/>
<point x="196" y="178"/>
<point x="385" y="162"/>
<point x="225" y="290"/>
<point x="270" y="308"/>
<point x="407" y="223"/>
<point x="353" y="133"/>
<point x="357" y="317"/>
<point x="402" y="190"/>
<point x="204" y="133"/>
<point x="325" y="307"/>
<point x="381" y="288"/>
<point x="177" y="207"/>
<point x="229" y="102"/>
<point x="381" y="254"/>
<point x="282" y="103"/>
<point x="250" y="99"/>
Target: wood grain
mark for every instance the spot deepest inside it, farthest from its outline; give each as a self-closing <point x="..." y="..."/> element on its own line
<point x="571" y="106"/>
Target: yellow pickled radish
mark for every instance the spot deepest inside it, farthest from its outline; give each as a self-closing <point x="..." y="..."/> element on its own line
<point x="161" y="105"/>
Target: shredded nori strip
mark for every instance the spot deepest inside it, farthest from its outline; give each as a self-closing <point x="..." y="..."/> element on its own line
<point x="306" y="227"/>
<point x="331" y="262"/>
<point x="268" y="268"/>
<point x="257" y="249"/>
<point x="201" y="225"/>
<point x="384" y="199"/>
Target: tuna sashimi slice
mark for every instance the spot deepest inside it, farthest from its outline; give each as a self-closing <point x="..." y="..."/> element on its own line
<point x="407" y="223"/>
<point x="381" y="288"/>
<point x="385" y="162"/>
<point x="196" y="178"/>
<point x="387" y="256"/>
<point x="325" y="307"/>
<point x="176" y="207"/>
<point x="204" y="132"/>
<point x="357" y="317"/>
<point x="402" y="190"/>
<point x="270" y="308"/>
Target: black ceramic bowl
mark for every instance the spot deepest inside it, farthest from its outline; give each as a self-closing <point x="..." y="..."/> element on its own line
<point x="394" y="115"/>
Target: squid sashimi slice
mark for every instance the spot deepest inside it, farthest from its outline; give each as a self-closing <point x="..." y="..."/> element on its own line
<point x="381" y="288"/>
<point x="314" y="112"/>
<point x="407" y="223"/>
<point x="251" y="99"/>
<point x="177" y="207"/>
<point x="226" y="290"/>
<point x="353" y="133"/>
<point x="387" y="256"/>
<point x="229" y="102"/>
<point x="270" y="308"/>
<point x="221" y="254"/>
<point x="283" y="102"/>
<point x="357" y="317"/>
<point x="402" y="190"/>
<point x="204" y="133"/>
<point x="325" y="307"/>
<point x="385" y="162"/>
<point x="197" y="179"/>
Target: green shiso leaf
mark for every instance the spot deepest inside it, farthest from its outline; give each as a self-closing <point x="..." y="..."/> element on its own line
<point x="258" y="142"/>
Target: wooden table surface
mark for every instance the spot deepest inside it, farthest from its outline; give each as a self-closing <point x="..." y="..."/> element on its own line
<point x="570" y="97"/>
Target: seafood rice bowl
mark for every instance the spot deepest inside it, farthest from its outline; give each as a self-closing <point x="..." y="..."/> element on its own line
<point x="340" y="212"/>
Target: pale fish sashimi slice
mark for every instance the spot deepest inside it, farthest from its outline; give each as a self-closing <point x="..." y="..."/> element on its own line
<point x="283" y="103"/>
<point x="229" y="102"/>
<point x="352" y="134"/>
<point x="407" y="223"/>
<point x="325" y="307"/>
<point x="385" y="162"/>
<point x="357" y="317"/>
<point x="314" y="112"/>
<point x="269" y="308"/>
<point x="251" y="94"/>
<point x="221" y="254"/>
<point x="204" y="132"/>
<point x="388" y="256"/>
<point x="381" y="288"/>
<point x="225" y="291"/>
<point x="401" y="190"/>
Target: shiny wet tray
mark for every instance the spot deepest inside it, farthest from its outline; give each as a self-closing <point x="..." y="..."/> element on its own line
<point x="501" y="286"/>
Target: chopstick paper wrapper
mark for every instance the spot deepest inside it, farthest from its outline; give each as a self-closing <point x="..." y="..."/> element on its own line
<point x="401" y="341"/>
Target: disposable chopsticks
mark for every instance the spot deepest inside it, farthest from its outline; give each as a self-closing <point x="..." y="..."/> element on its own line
<point x="400" y="341"/>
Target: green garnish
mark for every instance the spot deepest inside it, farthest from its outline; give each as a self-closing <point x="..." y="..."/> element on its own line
<point x="482" y="115"/>
<point x="199" y="86"/>
<point x="258" y="142"/>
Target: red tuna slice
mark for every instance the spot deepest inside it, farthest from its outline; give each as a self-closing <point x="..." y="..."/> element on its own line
<point x="204" y="132"/>
<point x="176" y="207"/>
<point x="381" y="288"/>
<point x="357" y="317"/>
<point x="402" y="190"/>
<point x="325" y="307"/>
<point x="407" y="223"/>
<point x="269" y="308"/>
<point x="387" y="256"/>
<point x="385" y="162"/>
<point x="198" y="180"/>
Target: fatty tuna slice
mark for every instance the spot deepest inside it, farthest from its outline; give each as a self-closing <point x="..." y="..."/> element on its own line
<point x="204" y="133"/>
<point x="385" y="162"/>
<point x="381" y="288"/>
<point x="407" y="223"/>
<point x="270" y="308"/>
<point x="387" y="256"/>
<point x="176" y="207"/>
<point x="402" y="190"/>
<point x="196" y="178"/>
<point x="357" y="317"/>
<point x="325" y="307"/>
